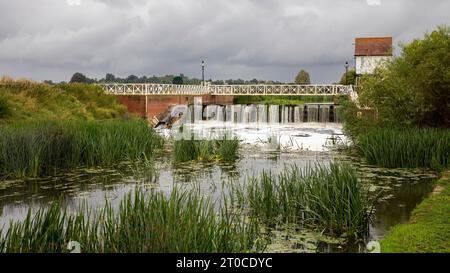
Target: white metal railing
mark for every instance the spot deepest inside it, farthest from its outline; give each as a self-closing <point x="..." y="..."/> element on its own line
<point x="223" y="90"/>
<point x="280" y="89"/>
<point x="154" y="89"/>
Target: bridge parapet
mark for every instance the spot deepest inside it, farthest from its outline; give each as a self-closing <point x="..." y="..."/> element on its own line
<point x="280" y="90"/>
<point x="154" y="89"/>
<point x="227" y="90"/>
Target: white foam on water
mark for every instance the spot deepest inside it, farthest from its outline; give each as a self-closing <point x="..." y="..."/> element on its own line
<point x="290" y="136"/>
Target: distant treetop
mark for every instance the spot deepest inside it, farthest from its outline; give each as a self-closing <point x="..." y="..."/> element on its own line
<point x="78" y="77"/>
<point x="302" y="78"/>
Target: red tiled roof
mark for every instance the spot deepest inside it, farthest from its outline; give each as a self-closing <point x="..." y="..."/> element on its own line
<point x="379" y="46"/>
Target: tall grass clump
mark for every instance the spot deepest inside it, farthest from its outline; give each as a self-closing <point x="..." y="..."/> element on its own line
<point x="406" y="148"/>
<point x="330" y="199"/>
<point x="144" y="222"/>
<point x="46" y="147"/>
<point x="5" y="106"/>
<point x="205" y="150"/>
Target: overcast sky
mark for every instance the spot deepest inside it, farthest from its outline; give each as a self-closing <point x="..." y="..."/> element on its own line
<point x="264" y="39"/>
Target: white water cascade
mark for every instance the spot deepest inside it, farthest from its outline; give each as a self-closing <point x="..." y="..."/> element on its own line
<point x="252" y="113"/>
<point x="274" y="114"/>
<point x="262" y="113"/>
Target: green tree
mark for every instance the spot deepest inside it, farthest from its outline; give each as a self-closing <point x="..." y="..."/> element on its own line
<point x="413" y="89"/>
<point x="177" y="80"/>
<point x="302" y="77"/>
<point x="78" y="77"/>
<point x="351" y="77"/>
<point x="110" y="77"/>
<point x="132" y="79"/>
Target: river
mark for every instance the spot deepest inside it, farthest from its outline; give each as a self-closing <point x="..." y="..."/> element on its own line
<point x="264" y="146"/>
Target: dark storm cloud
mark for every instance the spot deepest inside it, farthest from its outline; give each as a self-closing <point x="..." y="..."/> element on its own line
<point x="269" y="39"/>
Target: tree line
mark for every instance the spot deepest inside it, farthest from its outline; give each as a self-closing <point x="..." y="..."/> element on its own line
<point x="167" y="79"/>
<point x="302" y="78"/>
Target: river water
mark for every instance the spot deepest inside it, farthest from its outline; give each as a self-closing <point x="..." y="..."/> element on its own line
<point x="264" y="146"/>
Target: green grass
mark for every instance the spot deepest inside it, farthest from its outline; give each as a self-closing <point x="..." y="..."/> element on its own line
<point x="145" y="222"/>
<point x="5" y="106"/>
<point x="281" y="100"/>
<point x="406" y="148"/>
<point x="225" y="150"/>
<point x="25" y="100"/>
<point x="428" y="230"/>
<point x="330" y="199"/>
<point x="47" y="147"/>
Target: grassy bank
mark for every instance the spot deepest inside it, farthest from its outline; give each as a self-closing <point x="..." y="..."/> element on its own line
<point x="406" y="148"/>
<point x="145" y="222"/>
<point x="429" y="227"/>
<point x="205" y="150"/>
<point x="47" y="147"/>
<point x="281" y="100"/>
<point x="330" y="199"/>
<point x="26" y="100"/>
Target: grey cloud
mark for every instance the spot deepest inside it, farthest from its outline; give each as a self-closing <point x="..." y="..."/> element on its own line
<point x="267" y="39"/>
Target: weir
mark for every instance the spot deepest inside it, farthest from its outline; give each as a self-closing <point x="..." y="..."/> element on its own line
<point x="215" y="102"/>
<point x="258" y="113"/>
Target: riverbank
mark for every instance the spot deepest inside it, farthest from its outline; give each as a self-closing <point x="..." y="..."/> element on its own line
<point x="48" y="129"/>
<point x="429" y="227"/>
<point x="22" y="100"/>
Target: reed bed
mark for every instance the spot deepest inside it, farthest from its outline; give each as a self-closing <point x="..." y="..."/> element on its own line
<point x="407" y="148"/>
<point x="329" y="199"/>
<point x="47" y="147"/>
<point x="144" y="222"/>
<point x="205" y="150"/>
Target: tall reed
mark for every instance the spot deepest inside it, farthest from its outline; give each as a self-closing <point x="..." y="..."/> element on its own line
<point x="331" y="199"/>
<point x="46" y="147"/>
<point x="144" y="222"/>
<point x="406" y="148"/>
<point x="205" y="150"/>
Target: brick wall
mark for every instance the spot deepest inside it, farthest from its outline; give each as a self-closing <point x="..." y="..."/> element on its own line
<point x="158" y="104"/>
<point x="135" y="104"/>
